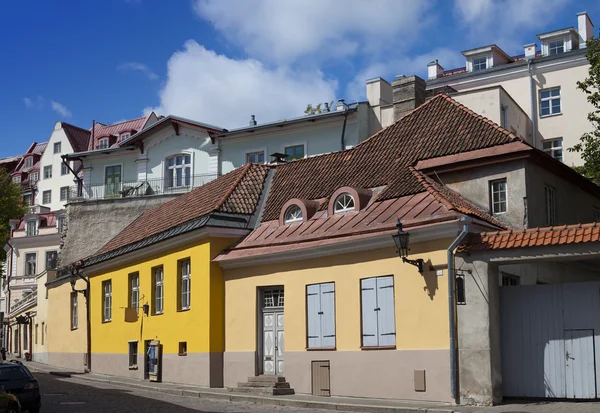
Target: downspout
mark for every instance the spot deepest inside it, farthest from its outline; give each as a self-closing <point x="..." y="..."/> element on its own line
<point x="344" y="129"/>
<point x="452" y="309"/>
<point x="532" y="98"/>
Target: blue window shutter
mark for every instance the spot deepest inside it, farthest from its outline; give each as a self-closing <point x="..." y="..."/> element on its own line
<point x="368" y="288"/>
<point x="313" y="308"/>
<point x="328" y="314"/>
<point x="386" y="324"/>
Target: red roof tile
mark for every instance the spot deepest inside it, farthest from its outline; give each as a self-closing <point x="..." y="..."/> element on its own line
<point x="103" y="131"/>
<point x="78" y="137"/>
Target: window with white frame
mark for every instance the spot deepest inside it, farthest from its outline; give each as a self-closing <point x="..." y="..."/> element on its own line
<point x="378" y="316"/>
<point x="51" y="260"/>
<point x="550" y="205"/>
<point x="255" y="157"/>
<point x="498" y="196"/>
<point x="17" y="179"/>
<point x="134" y="290"/>
<point x="185" y="280"/>
<point x="159" y="290"/>
<point x="343" y="203"/>
<point x="124" y="136"/>
<point x="60" y="224"/>
<point x="47" y="197"/>
<point x="48" y="172"/>
<point x="292" y="214"/>
<point x="74" y="311"/>
<point x="31" y="263"/>
<point x="103" y="143"/>
<point x="556" y="47"/>
<point x="57" y="147"/>
<point x="133" y="353"/>
<point x="179" y="171"/>
<point x="479" y="63"/>
<point x="64" y="170"/>
<point x="64" y="193"/>
<point x="31" y="228"/>
<point x="34" y="177"/>
<point x="554" y="148"/>
<point x="550" y="102"/>
<point x="320" y="314"/>
<point x="28" y="162"/>
<point x="107" y="300"/>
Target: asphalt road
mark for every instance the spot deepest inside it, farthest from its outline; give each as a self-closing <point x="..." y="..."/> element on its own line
<point x="63" y="395"/>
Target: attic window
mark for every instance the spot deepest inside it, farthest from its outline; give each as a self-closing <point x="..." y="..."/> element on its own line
<point x="293" y="214"/>
<point x="124" y="136"/>
<point x="479" y="63"/>
<point x="556" y="47"/>
<point x="103" y="143"/>
<point x="343" y="203"/>
<point x="28" y="162"/>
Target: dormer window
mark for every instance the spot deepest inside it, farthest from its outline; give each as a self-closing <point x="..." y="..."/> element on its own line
<point x="479" y="63"/>
<point x="34" y="177"/>
<point x="16" y="179"/>
<point x="31" y="229"/>
<point x="28" y="162"/>
<point x="124" y="136"/>
<point x="343" y="203"/>
<point x="293" y="214"/>
<point x="556" y="47"/>
<point x="103" y="143"/>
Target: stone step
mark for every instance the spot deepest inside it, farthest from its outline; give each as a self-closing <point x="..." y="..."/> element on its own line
<point x="277" y="385"/>
<point x="270" y="379"/>
<point x="261" y="391"/>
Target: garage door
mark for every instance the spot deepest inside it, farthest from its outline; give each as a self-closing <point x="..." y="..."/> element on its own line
<point x="550" y="337"/>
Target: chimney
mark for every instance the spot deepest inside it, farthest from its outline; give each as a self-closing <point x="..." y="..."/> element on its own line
<point x="326" y="108"/>
<point x="434" y="70"/>
<point x="585" y="27"/>
<point x="341" y="105"/>
<point x="379" y="92"/>
<point x="252" y="120"/>
<point x="529" y="50"/>
<point x="278" y="158"/>
<point x="409" y="94"/>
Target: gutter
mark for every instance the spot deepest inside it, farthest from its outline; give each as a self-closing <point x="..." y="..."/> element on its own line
<point x="452" y="309"/>
<point x="344" y="129"/>
<point x="531" y="98"/>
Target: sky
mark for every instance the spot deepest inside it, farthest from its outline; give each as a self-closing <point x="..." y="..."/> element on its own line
<point x="220" y="61"/>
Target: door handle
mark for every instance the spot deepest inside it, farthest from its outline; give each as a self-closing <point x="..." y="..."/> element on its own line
<point x="569" y="356"/>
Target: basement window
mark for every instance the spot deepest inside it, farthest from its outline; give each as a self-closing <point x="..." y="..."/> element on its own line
<point x="133" y="354"/>
<point x="182" y="348"/>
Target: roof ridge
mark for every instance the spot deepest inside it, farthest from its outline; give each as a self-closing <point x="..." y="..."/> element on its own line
<point x="75" y="126"/>
<point x="118" y="123"/>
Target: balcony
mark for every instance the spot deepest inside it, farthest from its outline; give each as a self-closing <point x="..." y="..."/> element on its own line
<point x="132" y="189"/>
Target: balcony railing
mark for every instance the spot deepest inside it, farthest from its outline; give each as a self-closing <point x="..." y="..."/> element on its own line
<point x="129" y="189"/>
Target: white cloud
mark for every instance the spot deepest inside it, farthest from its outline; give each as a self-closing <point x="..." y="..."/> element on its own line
<point x="205" y="86"/>
<point x="61" y="109"/>
<point x="285" y="31"/>
<point x="28" y="102"/>
<point x="33" y="103"/>
<point x="139" y="67"/>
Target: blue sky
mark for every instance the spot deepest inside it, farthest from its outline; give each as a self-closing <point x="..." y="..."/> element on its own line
<point x="219" y="61"/>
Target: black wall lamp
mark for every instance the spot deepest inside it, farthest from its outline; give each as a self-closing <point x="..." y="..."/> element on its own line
<point x="75" y="269"/>
<point x="401" y="239"/>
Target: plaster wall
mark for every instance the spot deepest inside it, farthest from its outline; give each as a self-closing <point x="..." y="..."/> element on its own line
<point x="40" y="350"/>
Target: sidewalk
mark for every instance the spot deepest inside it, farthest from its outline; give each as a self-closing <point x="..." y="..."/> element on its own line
<point x="349" y="404"/>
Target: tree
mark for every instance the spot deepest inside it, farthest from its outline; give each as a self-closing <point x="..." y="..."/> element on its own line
<point x="589" y="145"/>
<point x="315" y="110"/>
<point x="11" y="207"/>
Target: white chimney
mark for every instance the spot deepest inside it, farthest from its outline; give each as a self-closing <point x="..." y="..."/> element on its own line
<point x="341" y="105"/>
<point x="379" y="92"/>
<point x="585" y="27"/>
<point x="434" y="70"/>
<point x="529" y="51"/>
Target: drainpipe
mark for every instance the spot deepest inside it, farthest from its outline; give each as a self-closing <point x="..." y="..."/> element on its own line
<point x="532" y="98"/>
<point x="344" y="129"/>
<point x="452" y="309"/>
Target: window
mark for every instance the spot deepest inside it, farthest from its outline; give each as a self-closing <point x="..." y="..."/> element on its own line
<point x="28" y="162"/>
<point x="343" y="203"/>
<point x="43" y="331"/>
<point x="597" y="214"/>
<point x="64" y="193"/>
<point x="378" y="318"/>
<point x="185" y="279"/>
<point x="133" y="353"/>
<point x="16" y="340"/>
<point x="31" y="228"/>
<point x="25" y="341"/>
<point x="48" y="172"/>
<point x="46" y="197"/>
<point x="27" y="200"/>
<point x="51" y="260"/>
<point x="74" y="314"/>
<point x="255" y="157"/>
<point x="158" y="290"/>
<point x="30" y="264"/>
<point x="498" y="196"/>
<point x="107" y="301"/>
<point x="16" y="179"/>
<point x="36" y="334"/>
<point x="103" y="143"/>
<point x="60" y="224"/>
<point x="57" y="147"/>
<point x="134" y="290"/>
<point x="294" y="152"/>
<point x="479" y="63"/>
<point x="292" y="214"/>
<point x="320" y="311"/>
<point x="34" y="177"/>
<point x="554" y="148"/>
<point x="183" y="348"/>
<point x="549" y="202"/>
<point x="273" y="298"/>
<point x="510" y="280"/>
<point x="550" y="102"/>
<point x="179" y="171"/>
<point x="64" y="169"/>
<point x="556" y="47"/>
<point x="124" y="136"/>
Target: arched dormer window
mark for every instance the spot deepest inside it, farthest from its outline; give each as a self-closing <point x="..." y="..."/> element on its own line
<point x="103" y="143"/>
<point x="293" y="214"/>
<point x="343" y="203"/>
<point x="179" y="170"/>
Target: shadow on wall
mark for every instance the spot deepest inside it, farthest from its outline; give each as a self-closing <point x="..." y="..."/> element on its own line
<point x="431" y="279"/>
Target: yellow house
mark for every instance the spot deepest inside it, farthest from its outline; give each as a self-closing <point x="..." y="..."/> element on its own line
<point x="156" y="297"/>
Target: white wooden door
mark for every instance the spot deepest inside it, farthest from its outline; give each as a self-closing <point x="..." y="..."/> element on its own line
<point x="579" y="355"/>
<point x="273" y="343"/>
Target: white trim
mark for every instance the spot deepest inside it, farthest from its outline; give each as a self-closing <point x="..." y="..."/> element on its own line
<point x="491" y="183"/>
<point x="303" y="143"/>
<point x="246" y="152"/>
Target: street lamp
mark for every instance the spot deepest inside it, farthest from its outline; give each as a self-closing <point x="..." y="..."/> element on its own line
<point x="401" y="239"/>
<point x="75" y="269"/>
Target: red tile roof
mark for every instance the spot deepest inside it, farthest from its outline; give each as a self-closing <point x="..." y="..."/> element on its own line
<point x="533" y="237"/>
<point x="36" y="149"/>
<point x="79" y="138"/>
<point x="47" y="220"/>
<point x="103" y="131"/>
<point x="237" y="192"/>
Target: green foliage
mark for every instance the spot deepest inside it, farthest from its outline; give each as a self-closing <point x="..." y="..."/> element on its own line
<point x="315" y="110"/>
<point x="11" y="207"/>
<point x="589" y="144"/>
